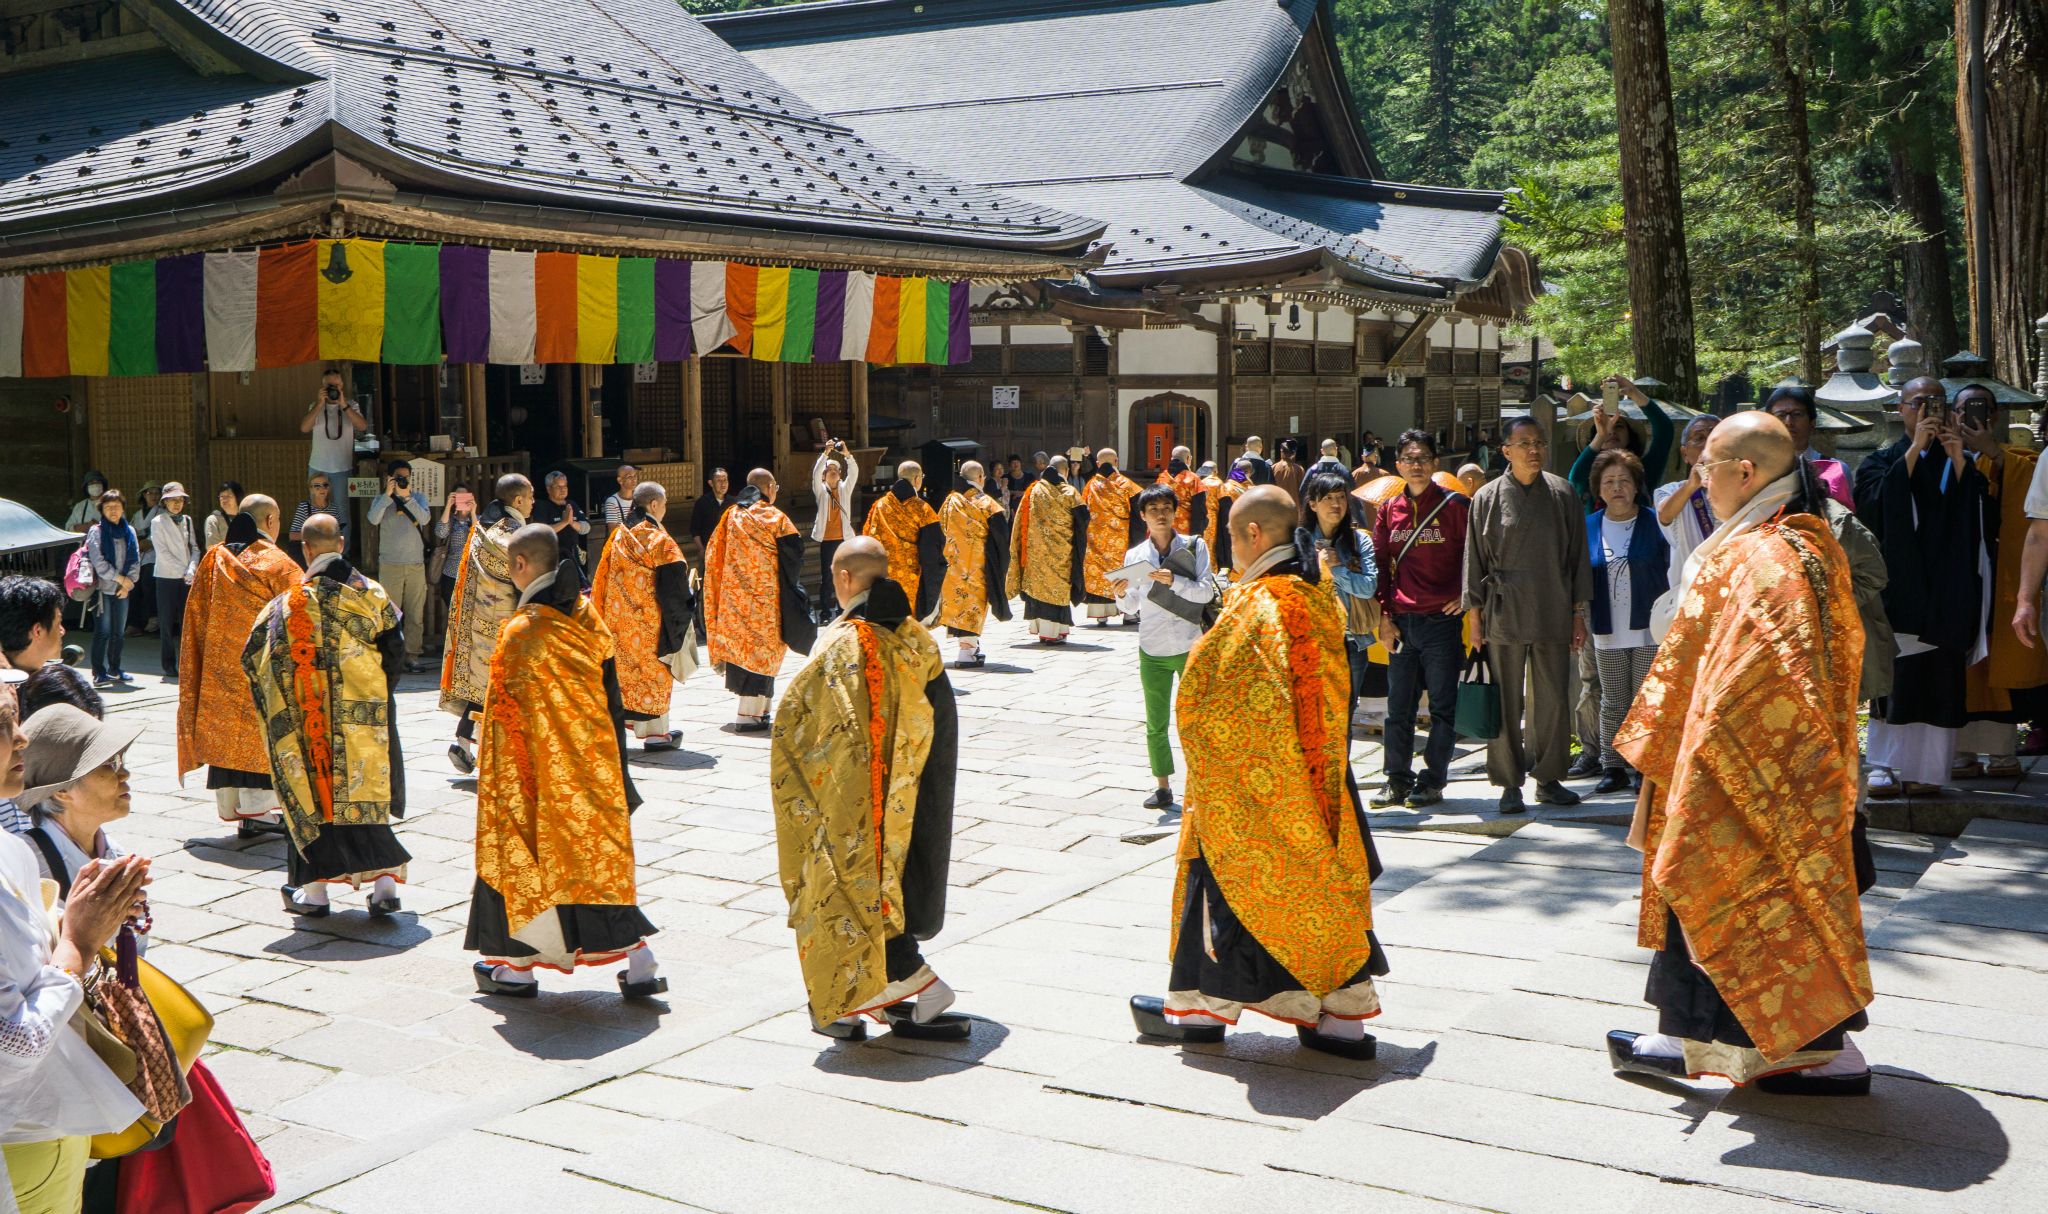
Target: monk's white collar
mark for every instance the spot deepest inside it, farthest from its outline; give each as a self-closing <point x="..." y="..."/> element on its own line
<point x="535" y="586"/>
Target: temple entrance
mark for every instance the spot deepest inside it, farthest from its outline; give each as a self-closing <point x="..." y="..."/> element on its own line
<point x="1160" y="423"/>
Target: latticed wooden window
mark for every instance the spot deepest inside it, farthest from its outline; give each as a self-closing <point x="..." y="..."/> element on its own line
<point x="142" y="430"/>
<point x="1436" y="407"/>
<point x="1439" y="362"/>
<point x="1332" y="357"/>
<point x="987" y="360"/>
<point x="1374" y="340"/>
<point x="821" y="390"/>
<point x="1465" y="362"/>
<point x="1042" y="360"/>
<point x="1489" y="362"/>
<point x="1294" y="358"/>
<point x="656" y="419"/>
<point x="1094" y="355"/>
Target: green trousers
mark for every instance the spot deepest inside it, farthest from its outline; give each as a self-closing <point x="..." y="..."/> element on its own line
<point x="1158" y="675"/>
<point x="48" y="1177"/>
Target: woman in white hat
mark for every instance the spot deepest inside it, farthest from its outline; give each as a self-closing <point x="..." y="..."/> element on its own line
<point x="77" y="780"/>
<point x="175" y="539"/>
<point x="54" y="1091"/>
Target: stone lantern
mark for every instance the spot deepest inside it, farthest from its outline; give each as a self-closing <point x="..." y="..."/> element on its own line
<point x="1854" y="389"/>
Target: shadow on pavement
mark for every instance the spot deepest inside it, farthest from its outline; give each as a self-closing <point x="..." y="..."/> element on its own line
<point x="673" y="760"/>
<point x="1871" y="1138"/>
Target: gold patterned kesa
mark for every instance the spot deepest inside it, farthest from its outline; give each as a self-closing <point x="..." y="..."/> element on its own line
<point x="218" y="724"/>
<point x="1186" y="487"/>
<point x="851" y="738"/>
<point x="1745" y="732"/>
<point x="1042" y="544"/>
<point x="1212" y="488"/>
<point x="742" y="588"/>
<point x="484" y="600"/>
<point x="2010" y="665"/>
<point x="552" y="828"/>
<point x="318" y="678"/>
<point x="895" y="521"/>
<point x="1263" y="712"/>
<point x="622" y="589"/>
<point x="963" y="600"/>
<point x="1110" y="501"/>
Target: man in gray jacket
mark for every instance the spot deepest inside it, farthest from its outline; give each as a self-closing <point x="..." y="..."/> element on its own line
<point x="398" y="514"/>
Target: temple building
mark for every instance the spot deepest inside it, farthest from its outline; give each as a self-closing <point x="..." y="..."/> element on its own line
<point x="1259" y="275"/>
<point x="531" y="236"/>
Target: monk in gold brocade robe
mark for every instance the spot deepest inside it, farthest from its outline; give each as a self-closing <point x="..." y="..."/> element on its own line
<point x="909" y="531"/>
<point x="1048" y="553"/>
<point x="1114" y="528"/>
<point x="218" y="724"/>
<point x="1212" y="503"/>
<point x="642" y="591"/>
<point x="1273" y="899"/>
<point x="755" y="609"/>
<point x="862" y="772"/>
<point x="554" y="836"/>
<point x="324" y="661"/>
<point x="483" y="601"/>
<point x="977" y="563"/>
<point x="1193" y="516"/>
<point x="1745" y="732"/>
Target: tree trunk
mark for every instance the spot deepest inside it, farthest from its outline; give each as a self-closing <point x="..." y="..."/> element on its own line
<point x="1792" y="57"/>
<point x="2016" y="101"/>
<point x="1446" y="162"/>
<point x="1653" y="209"/>
<point x="1916" y="190"/>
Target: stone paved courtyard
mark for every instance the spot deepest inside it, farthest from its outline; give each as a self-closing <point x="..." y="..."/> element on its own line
<point x="380" y="1083"/>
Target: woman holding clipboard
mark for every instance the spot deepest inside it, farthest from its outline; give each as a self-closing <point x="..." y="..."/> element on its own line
<point x="1167" y="582"/>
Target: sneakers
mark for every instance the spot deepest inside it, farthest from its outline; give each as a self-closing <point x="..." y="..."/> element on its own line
<point x="1612" y="779"/>
<point x="1395" y="793"/>
<point x="1423" y="796"/>
<point x="1511" y="800"/>
<point x="1161" y="798"/>
<point x="1585" y="767"/>
<point x="1550" y="792"/>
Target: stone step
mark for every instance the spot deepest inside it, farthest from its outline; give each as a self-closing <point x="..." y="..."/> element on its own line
<point x="1951" y="811"/>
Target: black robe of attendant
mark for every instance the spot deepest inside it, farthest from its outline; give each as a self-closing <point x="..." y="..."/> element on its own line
<point x="366" y="847"/>
<point x="1219" y="560"/>
<point x="1077" y="575"/>
<point x="995" y="565"/>
<point x="799" y="629"/>
<point x="928" y="862"/>
<point x="1241" y="969"/>
<point x="704" y="515"/>
<point x="242" y="532"/>
<point x="585" y="928"/>
<point x="1930" y="538"/>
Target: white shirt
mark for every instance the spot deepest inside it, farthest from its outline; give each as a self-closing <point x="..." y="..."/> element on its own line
<point x="818" y="491"/>
<point x="1614" y="537"/>
<point x="2037" y="492"/>
<point x="177" y="551"/>
<point x="51" y="1083"/>
<point x="1161" y="633"/>
<point x="335" y="456"/>
<point x="1685" y="533"/>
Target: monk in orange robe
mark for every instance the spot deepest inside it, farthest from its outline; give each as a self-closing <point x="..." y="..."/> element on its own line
<point x="484" y="599"/>
<point x="554" y="837"/>
<point x="1114" y="528"/>
<point x="1212" y="502"/>
<point x="218" y="721"/>
<point x="642" y="591"/>
<point x="755" y="609"/>
<point x="1048" y="550"/>
<point x="977" y="563"/>
<point x="1193" y="516"/>
<point x="1745" y="732"/>
<point x="909" y="530"/>
<point x="1273" y="897"/>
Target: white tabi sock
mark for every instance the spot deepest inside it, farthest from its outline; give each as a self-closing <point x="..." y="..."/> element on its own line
<point x="1658" y="1045"/>
<point x="1187" y="1018"/>
<point x="313" y="893"/>
<point x="936" y="998"/>
<point x="506" y="974"/>
<point x="1849" y="1062"/>
<point x="386" y="887"/>
<point x="1338" y="1029"/>
<point x="640" y="965"/>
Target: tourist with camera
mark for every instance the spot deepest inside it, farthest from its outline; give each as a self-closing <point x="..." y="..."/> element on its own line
<point x="334" y="422"/>
<point x="399" y="514"/>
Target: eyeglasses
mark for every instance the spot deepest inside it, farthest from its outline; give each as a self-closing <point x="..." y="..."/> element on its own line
<point x="1412" y="459"/>
<point x="118" y="765"/>
<point x="1533" y="444"/>
<point x="1706" y="470"/>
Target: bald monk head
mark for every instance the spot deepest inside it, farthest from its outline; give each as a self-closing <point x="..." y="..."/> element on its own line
<point x="515" y="493"/>
<point x="1106" y="461"/>
<point x="912" y="471"/>
<point x="1744" y="454"/>
<point x="973" y="473"/>
<point x="1263" y="517"/>
<point x="1057" y="463"/>
<point x="855" y="567"/>
<point x="764" y="480"/>
<point x="1182" y="454"/>
<point x="321" y="534"/>
<point x="262" y="511"/>
<point x="534" y="550"/>
<point x="650" y="499"/>
<point x="1917" y="396"/>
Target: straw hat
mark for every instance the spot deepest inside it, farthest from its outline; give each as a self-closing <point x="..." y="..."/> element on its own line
<point x="174" y="489"/>
<point x="65" y="745"/>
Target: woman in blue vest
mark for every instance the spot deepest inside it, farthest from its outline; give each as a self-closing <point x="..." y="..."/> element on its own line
<point x="1631" y="568"/>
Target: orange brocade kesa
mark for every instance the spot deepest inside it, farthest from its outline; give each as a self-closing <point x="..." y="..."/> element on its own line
<point x="895" y="522"/>
<point x="552" y="828"/>
<point x="218" y="724"/>
<point x="1110" y="500"/>
<point x="1263" y="721"/>
<point x="1745" y="732"/>
<point x="623" y="590"/>
<point x="742" y="589"/>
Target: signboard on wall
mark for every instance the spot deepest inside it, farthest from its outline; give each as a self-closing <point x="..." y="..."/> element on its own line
<point x="533" y="373"/>
<point x="364" y="486"/>
<point x="1008" y="397"/>
<point x="430" y="480"/>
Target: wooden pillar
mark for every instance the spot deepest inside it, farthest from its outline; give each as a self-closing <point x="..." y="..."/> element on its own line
<point x="475" y="392"/>
<point x="857" y="380"/>
<point x="1226" y="386"/>
<point x="693" y="417"/>
<point x="778" y="412"/>
<point x="589" y="400"/>
<point x="202" y="440"/>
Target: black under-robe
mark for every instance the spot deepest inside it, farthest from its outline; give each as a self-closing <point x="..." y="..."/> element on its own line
<point x="1936" y="588"/>
<point x="1077" y="572"/>
<point x="585" y="928"/>
<point x="1242" y="970"/>
<point x="995" y="565"/>
<point x="676" y="604"/>
<point x="1220" y="558"/>
<point x="364" y="847"/>
<point x="927" y="862"/>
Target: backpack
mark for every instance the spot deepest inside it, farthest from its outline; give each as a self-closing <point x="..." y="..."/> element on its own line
<point x="78" y="578"/>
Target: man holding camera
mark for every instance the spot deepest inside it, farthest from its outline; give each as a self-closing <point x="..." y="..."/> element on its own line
<point x="334" y="422"/>
<point x="398" y="514"/>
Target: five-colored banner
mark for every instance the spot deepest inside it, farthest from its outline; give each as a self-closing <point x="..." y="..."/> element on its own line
<point x="378" y="301"/>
